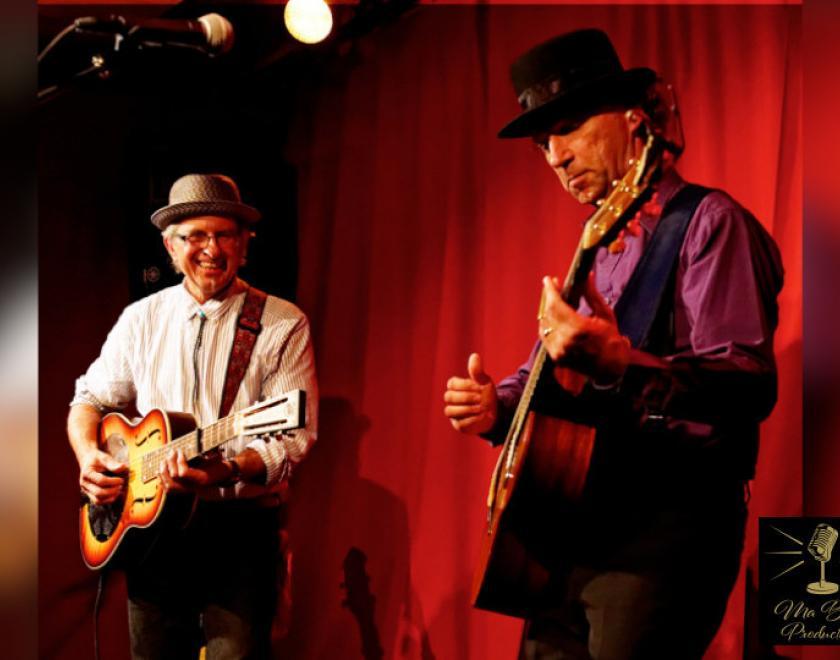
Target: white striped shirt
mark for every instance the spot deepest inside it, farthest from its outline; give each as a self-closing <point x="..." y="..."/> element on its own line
<point x="161" y="354"/>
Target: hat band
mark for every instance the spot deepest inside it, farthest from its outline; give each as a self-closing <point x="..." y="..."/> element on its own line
<point x="539" y="94"/>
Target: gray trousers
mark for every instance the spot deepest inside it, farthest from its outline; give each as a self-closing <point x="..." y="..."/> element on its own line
<point x="660" y="593"/>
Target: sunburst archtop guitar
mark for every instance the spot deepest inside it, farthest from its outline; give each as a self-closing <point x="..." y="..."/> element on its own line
<point x="142" y="446"/>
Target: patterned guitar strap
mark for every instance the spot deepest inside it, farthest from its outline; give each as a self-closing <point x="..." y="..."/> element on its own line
<point x="248" y="327"/>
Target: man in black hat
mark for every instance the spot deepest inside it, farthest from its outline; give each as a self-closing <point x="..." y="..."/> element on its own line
<point x="170" y="351"/>
<point x="674" y="334"/>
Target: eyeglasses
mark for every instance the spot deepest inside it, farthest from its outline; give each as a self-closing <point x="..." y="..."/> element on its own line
<point x="201" y="239"/>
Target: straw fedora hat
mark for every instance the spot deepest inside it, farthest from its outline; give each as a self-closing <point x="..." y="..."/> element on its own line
<point x="203" y="194"/>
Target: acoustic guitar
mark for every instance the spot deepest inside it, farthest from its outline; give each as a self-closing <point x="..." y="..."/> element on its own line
<point x="544" y="462"/>
<point x="142" y="446"/>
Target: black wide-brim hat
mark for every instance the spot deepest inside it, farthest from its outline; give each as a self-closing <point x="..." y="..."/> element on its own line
<point x="573" y="75"/>
<point x="195" y="195"/>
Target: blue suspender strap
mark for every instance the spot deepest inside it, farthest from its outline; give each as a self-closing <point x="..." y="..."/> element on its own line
<point x="639" y="303"/>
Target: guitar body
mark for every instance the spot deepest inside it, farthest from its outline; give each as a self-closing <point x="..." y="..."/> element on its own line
<point x="539" y="483"/>
<point x="102" y="529"/>
<point x="143" y="446"/>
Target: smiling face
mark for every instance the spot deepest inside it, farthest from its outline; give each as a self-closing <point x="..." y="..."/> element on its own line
<point x="207" y="270"/>
<point x="588" y="154"/>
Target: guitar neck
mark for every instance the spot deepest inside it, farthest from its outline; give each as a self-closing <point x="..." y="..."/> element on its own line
<point x="193" y="444"/>
<point x="575" y="281"/>
<point x="571" y="293"/>
<point x="213" y="436"/>
<point x="278" y="414"/>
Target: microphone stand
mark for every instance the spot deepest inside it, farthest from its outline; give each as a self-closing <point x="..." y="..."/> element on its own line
<point x="822" y="587"/>
<point x="118" y="39"/>
<point x="99" y="65"/>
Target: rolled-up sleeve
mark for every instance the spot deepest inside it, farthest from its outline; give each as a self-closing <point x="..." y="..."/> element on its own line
<point x="108" y="384"/>
<point x="295" y="370"/>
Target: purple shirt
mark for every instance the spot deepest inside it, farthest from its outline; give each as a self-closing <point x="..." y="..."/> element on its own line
<point x="720" y="378"/>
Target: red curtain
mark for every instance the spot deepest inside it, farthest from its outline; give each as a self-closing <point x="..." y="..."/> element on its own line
<point x="423" y="238"/>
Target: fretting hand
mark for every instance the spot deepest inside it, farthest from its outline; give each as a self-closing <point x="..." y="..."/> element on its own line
<point x="179" y="476"/>
<point x="591" y="345"/>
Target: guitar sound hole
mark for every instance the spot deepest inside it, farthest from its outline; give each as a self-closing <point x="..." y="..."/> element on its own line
<point x="103" y="518"/>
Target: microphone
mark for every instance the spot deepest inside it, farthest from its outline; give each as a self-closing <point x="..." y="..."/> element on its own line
<point x="211" y="33"/>
<point x="820" y="547"/>
<point x="822" y="542"/>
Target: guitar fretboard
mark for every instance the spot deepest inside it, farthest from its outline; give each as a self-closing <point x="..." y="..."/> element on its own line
<point x="193" y="444"/>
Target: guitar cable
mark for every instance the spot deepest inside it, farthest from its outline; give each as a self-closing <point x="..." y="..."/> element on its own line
<point x="97" y="603"/>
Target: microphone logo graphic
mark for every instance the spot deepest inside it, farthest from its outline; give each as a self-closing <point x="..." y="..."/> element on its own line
<point x="820" y="547"/>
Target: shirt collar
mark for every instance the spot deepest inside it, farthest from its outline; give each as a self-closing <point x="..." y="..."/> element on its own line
<point x="213" y="307"/>
<point x="667" y="187"/>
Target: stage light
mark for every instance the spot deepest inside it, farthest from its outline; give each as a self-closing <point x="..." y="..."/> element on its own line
<point x="309" y="21"/>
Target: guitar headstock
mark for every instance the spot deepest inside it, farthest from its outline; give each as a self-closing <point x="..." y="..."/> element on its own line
<point x="280" y="413"/>
<point x="611" y="212"/>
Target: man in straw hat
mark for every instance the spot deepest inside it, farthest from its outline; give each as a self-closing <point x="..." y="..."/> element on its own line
<point x="170" y="351"/>
<point x="674" y="334"/>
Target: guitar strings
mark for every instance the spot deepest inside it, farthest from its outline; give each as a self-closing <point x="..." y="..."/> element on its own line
<point x="212" y="436"/>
